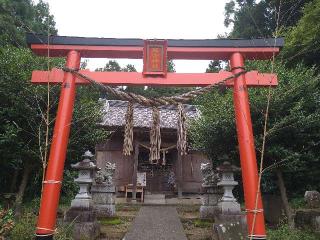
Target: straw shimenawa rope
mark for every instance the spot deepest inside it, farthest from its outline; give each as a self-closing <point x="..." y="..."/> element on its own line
<point x="155" y="137"/>
<point x="151" y="102"/>
<point x="128" y="131"/>
<point x="182" y="130"/>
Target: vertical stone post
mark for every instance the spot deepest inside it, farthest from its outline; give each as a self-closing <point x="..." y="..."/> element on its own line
<point x="103" y="191"/>
<point x="209" y="208"/>
<point x="82" y="212"/>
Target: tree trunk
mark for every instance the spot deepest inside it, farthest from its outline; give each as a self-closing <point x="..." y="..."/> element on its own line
<point x="14" y="180"/>
<point x="22" y="188"/>
<point x="284" y="198"/>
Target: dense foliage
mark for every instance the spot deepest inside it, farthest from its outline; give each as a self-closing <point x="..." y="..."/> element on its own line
<point x="298" y="21"/>
<point x="20" y="16"/>
<point x="294" y="120"/>
<point x="303" y="39"/>
<point x="291" y="157"/>
<point x="22" y="116"/>
<point x="252" y="19"/>
<point x="23" y="112"/>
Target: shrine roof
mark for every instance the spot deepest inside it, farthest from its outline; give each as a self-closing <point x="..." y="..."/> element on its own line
<point x="94" y="41"/>
<point x="115" y="110"/>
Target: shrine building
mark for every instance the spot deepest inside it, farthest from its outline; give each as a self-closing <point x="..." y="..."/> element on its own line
<point x="169" y="175"/>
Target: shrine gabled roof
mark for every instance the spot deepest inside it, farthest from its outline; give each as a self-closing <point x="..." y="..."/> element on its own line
<point x="115" y="110"/>
<point x="94" y="41"/>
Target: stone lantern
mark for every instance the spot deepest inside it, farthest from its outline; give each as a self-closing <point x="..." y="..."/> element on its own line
<point x="82" y="212"/>
<point x="228" y="203"/>
<point x="230" y="216"/>
<point x="85" y="178"/>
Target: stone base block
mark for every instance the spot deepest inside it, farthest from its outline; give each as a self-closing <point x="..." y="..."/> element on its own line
<point x="308" y="219"/>
<point x="238" y="219"/>
<point x="229" y="230"/>
<point x="83" y="203"/>
<point x="101" y="198"/>
<point x="108" y="210"/>
<point x="103" y="188"/>
<point x="79" y="215"/>
<point x="86" y="230"/>
<point x="229" y="207"/>
<point x="241" y="217"/>
<point x="210" y="199"/>
<point x="208" y="212"/>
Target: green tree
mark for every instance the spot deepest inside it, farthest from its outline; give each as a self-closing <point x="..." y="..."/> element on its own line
<point x="129" y="68"/>
<point x="214" y="66"/>
<point x="254" y="19"/>
<point x="22" y="120"/>
<point x="20" y="16"/>
<point x="171" y="67"/>
<point x="303" y="40"/>
<point x="292" y="146"/>
<point x="111" y="66"/>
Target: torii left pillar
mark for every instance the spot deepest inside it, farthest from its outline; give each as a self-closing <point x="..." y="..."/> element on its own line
<point x="53" y="179"/>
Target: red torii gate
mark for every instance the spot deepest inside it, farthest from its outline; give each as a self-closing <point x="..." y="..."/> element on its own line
<point x="233" y="50"/>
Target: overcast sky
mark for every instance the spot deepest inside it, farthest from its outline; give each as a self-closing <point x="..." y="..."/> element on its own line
<point x="146" y="19"/>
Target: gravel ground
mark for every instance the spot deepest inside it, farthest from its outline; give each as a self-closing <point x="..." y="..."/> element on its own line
<point x="157" y="223"/>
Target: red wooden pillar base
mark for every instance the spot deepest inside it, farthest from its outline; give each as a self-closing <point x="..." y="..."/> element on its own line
<point x="52" y="184"/>
<point x="247" y="150"/>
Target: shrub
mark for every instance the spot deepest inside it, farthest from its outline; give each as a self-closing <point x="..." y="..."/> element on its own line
<point x="111" y="221"/>
<point x="203" y="223"/>
<point x="297" y="203"/>
<point x="25" y="227"/>
<point x="6" y="222"/>
<point x="283" y="232"/>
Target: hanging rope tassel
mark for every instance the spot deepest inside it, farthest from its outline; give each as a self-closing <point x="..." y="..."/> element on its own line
<point x="128" y="131"/>
<point x="155" y="137"/>
<point x="182" y="130"/>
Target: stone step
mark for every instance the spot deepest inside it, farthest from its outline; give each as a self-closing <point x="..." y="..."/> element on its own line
<point x="155" y="196"/>
<point x="155" y="199"/>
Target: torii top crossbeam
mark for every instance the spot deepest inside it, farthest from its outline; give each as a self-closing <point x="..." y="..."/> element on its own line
<point x="207" y="49"/>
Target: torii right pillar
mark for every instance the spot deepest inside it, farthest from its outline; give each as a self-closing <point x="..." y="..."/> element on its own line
<point x="247" y="151"/>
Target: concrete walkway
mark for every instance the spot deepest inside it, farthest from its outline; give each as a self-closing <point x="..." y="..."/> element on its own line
<point x="156" y="223"/>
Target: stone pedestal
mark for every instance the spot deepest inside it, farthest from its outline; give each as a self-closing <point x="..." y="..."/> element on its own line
<point x="209" y="208"/>
<point x="81" y="213"/>
<point x="103" y="191"/>
<point x="103" y="196"/>
<point x="308" y="219"/>
<point x="212" y="193"/>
